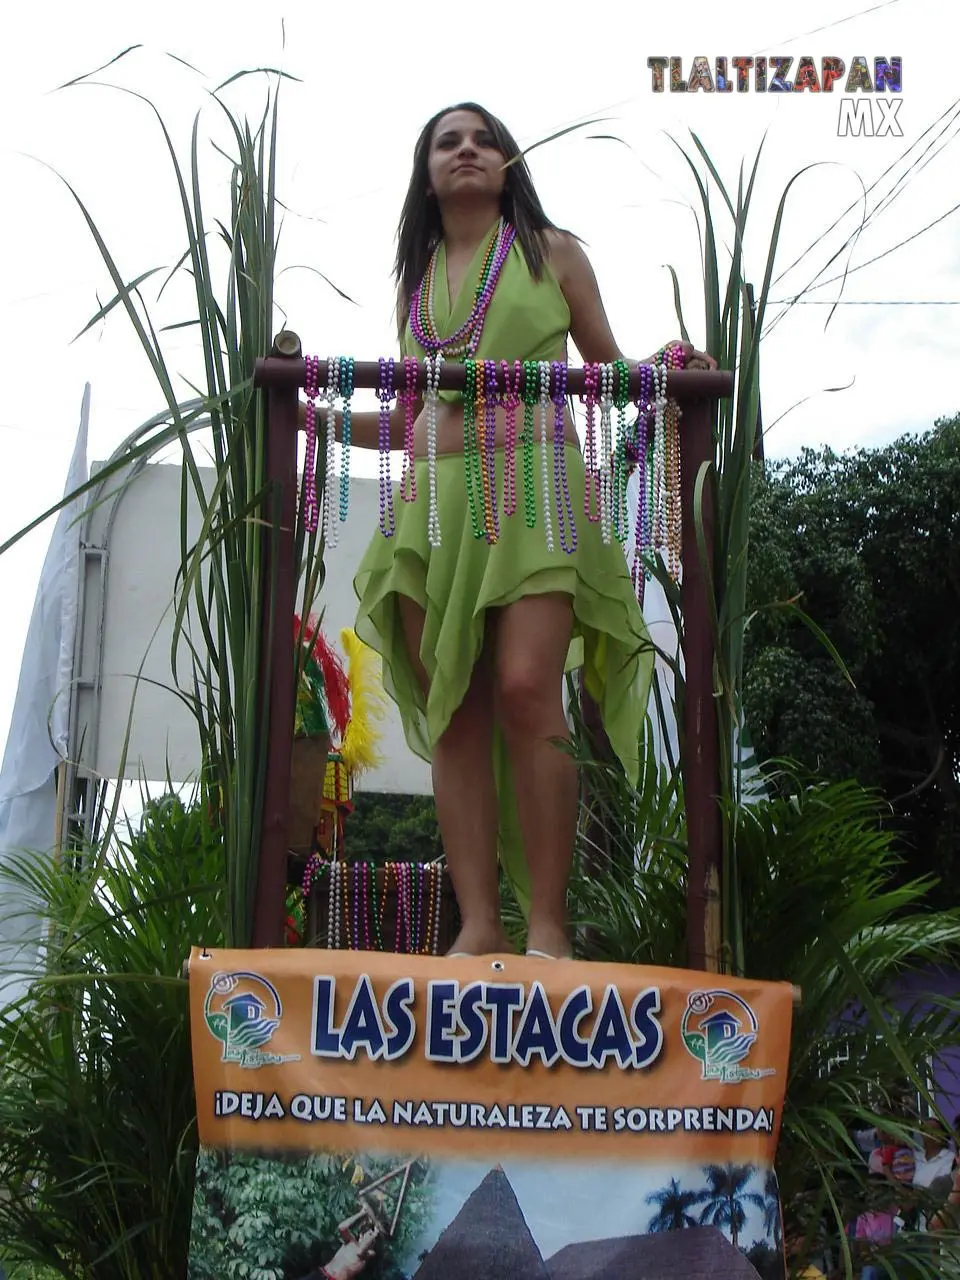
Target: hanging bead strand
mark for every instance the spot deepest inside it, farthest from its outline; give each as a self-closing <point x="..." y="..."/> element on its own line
<point x="566" y="523"/>
<point x="606" y="452"/>
<point x="471" y="446"/>
<point x="591" y="487"/>
<point x="385" y="395"/>
<point x="528" y="442"/>
<point x="643" y="523"/>
<point x="544" y="462"/>
<point x="511" y="402"/>
<point x="621" y="515"/>
<point x="492" y="518"/>
<point x="311" y="511"/>
<point x="431" y="396"/>
<point x="346" y="391"/>
<point x="331" y="482"/>
<point x="408" y="484"/>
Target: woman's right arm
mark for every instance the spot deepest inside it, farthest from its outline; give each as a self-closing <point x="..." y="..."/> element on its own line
<point x="365" y="425"/>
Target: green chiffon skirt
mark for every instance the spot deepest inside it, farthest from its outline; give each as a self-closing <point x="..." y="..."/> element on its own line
<point x="457" y="582"/>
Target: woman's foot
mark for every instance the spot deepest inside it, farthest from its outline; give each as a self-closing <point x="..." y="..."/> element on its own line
<point x="486" y="940"/>
<point x="548" y="939"/>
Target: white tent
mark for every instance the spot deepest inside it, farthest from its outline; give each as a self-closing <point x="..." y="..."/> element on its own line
<point x="39" y="727"/>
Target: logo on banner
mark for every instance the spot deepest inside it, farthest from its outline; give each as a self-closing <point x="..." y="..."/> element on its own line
<point x="242" y="1011"/>
<point x="720" y="1030"/>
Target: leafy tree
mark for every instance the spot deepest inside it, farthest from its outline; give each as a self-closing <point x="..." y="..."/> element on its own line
<point x="392" y="828"/>
<point x="673" y="1208"/>
<point x="275" y="1216"/>
<point x="868" y="544"/>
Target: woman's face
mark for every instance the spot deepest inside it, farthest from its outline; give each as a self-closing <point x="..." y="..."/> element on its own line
<point x="464" y="158"/>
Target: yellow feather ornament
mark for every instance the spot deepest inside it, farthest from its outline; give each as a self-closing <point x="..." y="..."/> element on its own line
<point x="367" y="705"/>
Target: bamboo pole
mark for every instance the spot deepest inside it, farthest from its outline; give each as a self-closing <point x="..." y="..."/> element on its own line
<point x="283" y="374"/>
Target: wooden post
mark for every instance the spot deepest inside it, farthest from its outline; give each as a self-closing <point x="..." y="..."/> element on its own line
<point x="696" y="392"/>
<point x="699" y="755"/>
<point x="276" y="653"/>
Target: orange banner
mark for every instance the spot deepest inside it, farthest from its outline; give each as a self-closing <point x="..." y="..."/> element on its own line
<point x="303" y="1049"/>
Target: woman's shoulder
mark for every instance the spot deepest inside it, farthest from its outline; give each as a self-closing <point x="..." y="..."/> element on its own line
<point x="563" y="254"/>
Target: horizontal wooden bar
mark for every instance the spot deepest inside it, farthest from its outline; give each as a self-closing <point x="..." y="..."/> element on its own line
<point x="689" y="384"/>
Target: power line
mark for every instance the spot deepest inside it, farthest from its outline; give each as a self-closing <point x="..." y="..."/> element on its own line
<point x="871" y="302"/>
<point x="830" y="25"/>
<point x="893" y="164"/>
<point x="886" y="253"/>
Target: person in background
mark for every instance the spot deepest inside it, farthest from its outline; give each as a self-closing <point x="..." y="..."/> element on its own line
<point x="874" y="1229"/>
<point x="936" y="1161"/>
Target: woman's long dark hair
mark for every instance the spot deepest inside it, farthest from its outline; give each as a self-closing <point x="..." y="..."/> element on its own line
<point x="420" y="229"/>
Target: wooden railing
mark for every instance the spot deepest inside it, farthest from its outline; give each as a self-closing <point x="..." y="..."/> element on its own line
<point x="282" y="376"/>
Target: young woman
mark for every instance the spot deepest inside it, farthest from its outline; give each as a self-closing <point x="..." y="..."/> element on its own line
<point x="475" y="635"/>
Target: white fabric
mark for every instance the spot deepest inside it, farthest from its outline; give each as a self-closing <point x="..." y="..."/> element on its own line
<point x="39" y="727"/>
<point x="940" y="1166"/>
<point x="663" y="633"/>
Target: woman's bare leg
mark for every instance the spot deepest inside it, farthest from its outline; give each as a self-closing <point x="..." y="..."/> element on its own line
<point x="465" y="795"/>
<point x="533" y="636"/>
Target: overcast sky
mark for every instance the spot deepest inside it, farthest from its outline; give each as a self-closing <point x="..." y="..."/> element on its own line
<point x="371" y="75"/>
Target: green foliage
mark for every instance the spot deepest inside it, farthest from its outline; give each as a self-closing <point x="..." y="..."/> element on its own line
<point x="392" y="828"/>
<point x="732" y="336"/>
<point x="97" y="1110"/>
<point x="272" y="1217"/>
<point x="228" y="569"/>
<point x="868" y="542"/>
<point x="825" y="909"/>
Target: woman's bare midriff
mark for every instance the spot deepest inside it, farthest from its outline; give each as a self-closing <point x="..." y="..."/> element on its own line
<point x="450" y="429"/>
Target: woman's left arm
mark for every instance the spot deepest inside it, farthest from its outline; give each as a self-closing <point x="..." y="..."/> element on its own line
<point x="589" y="326"/>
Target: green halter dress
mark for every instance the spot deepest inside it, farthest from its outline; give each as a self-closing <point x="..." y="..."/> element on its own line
<point x="459" y="581"/>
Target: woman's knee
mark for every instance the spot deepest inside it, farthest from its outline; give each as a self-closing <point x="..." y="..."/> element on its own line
<point x="529" y="699"/>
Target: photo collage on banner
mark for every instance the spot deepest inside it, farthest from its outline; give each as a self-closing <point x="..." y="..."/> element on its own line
<point x="384" y="1117"/>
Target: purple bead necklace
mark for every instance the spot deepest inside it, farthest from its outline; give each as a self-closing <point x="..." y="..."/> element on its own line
<point x="467" y="338"/>
<point x="566" y="524"/>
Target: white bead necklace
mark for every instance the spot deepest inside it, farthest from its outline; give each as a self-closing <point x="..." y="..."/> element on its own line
<point x="431" y="396"/>
<point x="333" y="907"/>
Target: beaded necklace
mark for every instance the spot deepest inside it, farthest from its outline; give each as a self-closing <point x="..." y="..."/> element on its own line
<point x="311" y="513"/>
<point x="591" y="488"/>
<point x="544" y="462"/>
<point x="346" y="390"/>
<point x="606" y="452"/>
<point x="466" y="339"/>
<point x="430" y="399"/>
<point x="491" y="519"/>
<point x="566" y="524"/>
<point x="511" y="402"/>
<point x="385" y="395"/>
<point x="621" y="518"/>
<point x="408" y="482"/>
<point x="471" y="446"/>
<point x="527" y="442"/>
<point x="331" y="481"/>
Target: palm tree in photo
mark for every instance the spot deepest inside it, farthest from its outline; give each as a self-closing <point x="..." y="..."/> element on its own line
<point x="673" y="1208"/>
<point x="726" y="1198"/>
<point x="772" y="1221"/>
